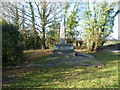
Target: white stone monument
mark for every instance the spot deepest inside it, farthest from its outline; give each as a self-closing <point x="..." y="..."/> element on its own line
<point x="62" y="33"/>
<point x="62" y="48"/>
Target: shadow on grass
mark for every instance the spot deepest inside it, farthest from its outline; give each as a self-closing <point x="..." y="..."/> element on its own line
<point x="12" y="73"/>
<point x="66" y="77"/>
<point x="112" y="46"/>
<point x="72" y="77"/>
<point x="106" y="56"/>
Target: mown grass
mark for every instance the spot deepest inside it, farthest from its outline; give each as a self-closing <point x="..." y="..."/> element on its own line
<point x="111" y="42"/>
<point x="73" y="77"/>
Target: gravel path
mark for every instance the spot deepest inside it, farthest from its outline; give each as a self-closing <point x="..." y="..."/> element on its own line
<point x="112" y="50"/>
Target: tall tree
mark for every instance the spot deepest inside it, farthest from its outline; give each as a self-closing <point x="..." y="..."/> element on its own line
<point x="10" y="12"/>
<point x="32" y="17"/>
<point x="98" y="24"/>
<point x="45" y="11"/>
<point x="43" y="22"/>
<point x="33" y="24"/>
<point x="16" y="16"/>
<point x="71" y="24"/>
<point x="23" y="17"/>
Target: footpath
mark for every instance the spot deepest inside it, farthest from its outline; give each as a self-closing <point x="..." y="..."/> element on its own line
<point x="112" y="50"/>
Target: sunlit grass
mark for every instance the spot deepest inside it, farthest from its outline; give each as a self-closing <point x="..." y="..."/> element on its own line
<point x="111" y="42"/>
<point x="73" y="77"/>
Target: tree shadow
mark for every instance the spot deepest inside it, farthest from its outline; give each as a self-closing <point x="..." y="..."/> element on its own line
<point x="53" y="76"/>
<point x="106" y="56"/>
<point x="112" y="46"/>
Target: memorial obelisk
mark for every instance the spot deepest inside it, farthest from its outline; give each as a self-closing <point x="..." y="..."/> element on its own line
<point x="62" y="33"/>
<point x="62" y="48"/>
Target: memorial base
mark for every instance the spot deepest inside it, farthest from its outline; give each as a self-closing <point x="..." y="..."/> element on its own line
<point x="64" y="49"/>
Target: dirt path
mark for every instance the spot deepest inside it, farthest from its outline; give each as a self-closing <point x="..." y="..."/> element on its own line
<point x="112" y="50"/>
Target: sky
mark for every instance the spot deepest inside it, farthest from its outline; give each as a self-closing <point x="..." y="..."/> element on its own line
<point x="115" y="28"/>
<point x="115" y="33"/>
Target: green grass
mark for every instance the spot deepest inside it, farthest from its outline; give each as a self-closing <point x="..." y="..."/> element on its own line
<point x="111" y="42"/>
<point x="72" y="77"/>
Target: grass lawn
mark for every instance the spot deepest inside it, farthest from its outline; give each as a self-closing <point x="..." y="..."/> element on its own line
<point x="111" y="42"/>
<point x="67" y="77"/>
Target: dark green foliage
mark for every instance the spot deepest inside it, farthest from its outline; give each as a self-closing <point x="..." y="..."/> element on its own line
<point x="52" y="38"/>
<point x="71" y="25"/>
<point x="29" y="40"/>
<point x="11" y="45"/>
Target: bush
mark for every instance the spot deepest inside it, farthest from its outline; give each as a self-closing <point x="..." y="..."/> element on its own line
<point x="11" y="46"/>
<point x="29" y="40"/>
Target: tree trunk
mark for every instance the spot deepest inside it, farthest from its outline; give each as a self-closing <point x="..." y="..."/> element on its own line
<point x="43" y="39"/>
<point x="93" y="47"/>
<point x="33" y="24"/>
<point x="17" y="17"/>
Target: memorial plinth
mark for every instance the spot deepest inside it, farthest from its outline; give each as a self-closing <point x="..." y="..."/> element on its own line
<point x="62" y="48"/>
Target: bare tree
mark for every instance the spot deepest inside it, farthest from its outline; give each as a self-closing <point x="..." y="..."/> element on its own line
<point x="46" y="17"/>
<point x="10" y="12"/>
